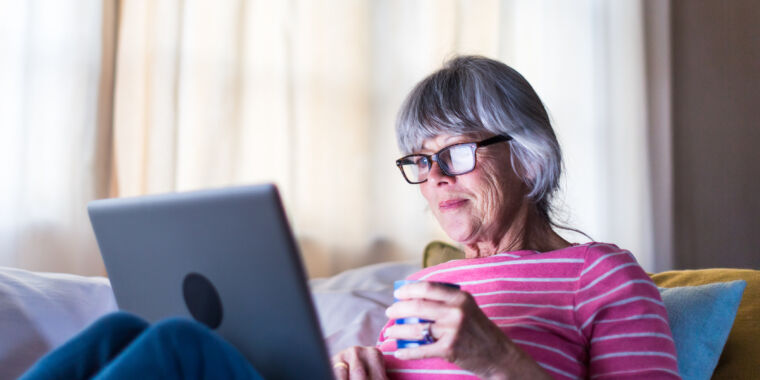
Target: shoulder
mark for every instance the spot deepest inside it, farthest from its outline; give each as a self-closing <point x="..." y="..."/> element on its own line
<point x="608" y="266"/>
<point x="593" y="254"/>
<point x="606" y="255"/>
<point x="598" y="248"/>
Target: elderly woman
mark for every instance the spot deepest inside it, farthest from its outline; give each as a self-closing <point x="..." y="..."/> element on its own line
<point x="531" y="305"/>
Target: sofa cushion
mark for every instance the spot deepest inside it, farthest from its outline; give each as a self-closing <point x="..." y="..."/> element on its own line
<point x="741" y="355"/>
<point x="438" y="252"/>
<point x="351" y="305"/>
<point x="40" y="311"/>
<point x="700" y="319"/>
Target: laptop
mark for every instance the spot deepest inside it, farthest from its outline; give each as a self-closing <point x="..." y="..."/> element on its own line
<point x="224" y="257"/>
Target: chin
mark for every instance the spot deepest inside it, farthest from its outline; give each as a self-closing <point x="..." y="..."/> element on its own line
<point x="459" y="233"/>
<point x="460" y="228"/>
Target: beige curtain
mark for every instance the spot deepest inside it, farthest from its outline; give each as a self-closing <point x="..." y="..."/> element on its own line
<point x="56" y="79"/>
<point x="303" y="94"/>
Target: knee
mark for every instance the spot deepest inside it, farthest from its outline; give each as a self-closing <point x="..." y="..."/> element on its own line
<point x="178" y="330"/>
<point x="179" y="325"/>
<point x="120" y="322"/>
<point x="195" y="349"/>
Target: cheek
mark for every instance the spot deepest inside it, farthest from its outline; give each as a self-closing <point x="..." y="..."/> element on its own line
<point x="493" y="197"/>
<point x="495" y="186"/>
<point x="424" y="191"/>
<point x="427" y="193"/>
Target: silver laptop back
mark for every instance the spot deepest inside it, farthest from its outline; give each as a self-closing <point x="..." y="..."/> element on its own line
<point x="225" y="257"/>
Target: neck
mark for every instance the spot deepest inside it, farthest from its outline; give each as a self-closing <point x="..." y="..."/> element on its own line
<point x="528" y="231"/>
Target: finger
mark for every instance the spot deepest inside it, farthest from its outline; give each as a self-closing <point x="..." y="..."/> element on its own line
<point x="356" y="370"/>
<point x="340" y="369"/>
<point x="412" y="331"/>
<point x="435" y="350"/>
<point x="374" y="363"/>
<point x="430" y="310"/>
<point x="434" y="291"/>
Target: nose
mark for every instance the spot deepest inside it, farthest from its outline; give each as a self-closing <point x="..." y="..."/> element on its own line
<point x="437" y="176"/>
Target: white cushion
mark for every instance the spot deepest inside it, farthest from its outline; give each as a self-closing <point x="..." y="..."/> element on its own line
<point x="40" y="311"/>
<point x="351" y="305"/>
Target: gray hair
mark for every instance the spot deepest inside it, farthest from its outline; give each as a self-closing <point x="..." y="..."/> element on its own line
<point x="473" y="94"/>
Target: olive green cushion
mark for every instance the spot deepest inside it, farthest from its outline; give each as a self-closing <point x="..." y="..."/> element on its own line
<point x="437" y="252"/>
<point x="741" y="355"/>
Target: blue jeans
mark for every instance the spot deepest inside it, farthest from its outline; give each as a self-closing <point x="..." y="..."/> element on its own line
<point x="123" y="346"/>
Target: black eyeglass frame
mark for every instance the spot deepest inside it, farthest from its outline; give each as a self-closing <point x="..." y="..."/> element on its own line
<point x="434" y="157"/>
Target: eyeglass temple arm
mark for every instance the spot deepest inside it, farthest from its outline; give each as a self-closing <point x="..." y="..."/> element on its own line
<point x="494" y="140"/>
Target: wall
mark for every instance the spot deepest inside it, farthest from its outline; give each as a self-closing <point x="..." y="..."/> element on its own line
<point x="716" y="133"/>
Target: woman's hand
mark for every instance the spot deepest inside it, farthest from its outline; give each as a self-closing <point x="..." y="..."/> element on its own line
<point x="359" y="363"/>
<point x="463" y="333"/>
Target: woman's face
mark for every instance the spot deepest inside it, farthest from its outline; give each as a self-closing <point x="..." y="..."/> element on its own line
<point x="478" y="206"/>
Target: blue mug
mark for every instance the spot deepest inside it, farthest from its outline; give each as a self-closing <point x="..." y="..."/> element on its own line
<point x="403" y="343"/>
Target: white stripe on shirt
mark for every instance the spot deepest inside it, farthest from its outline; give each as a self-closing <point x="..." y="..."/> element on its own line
<point x="557" y="370"/>
<point x="632" y="318"/>
<point x="558" y="307"/>
<point x="543" y="320"/>
<point x="521" y="279"/>
<point x="631" y="335"/>
<point x="503" y="263"/>
<point x="621" y="302"/>
<point x="433" y="371"/>
<point x="634" y="353"/>
<point x="607" y="274"/>
<point x="617" y="288"/>
<point x="599" y="260"/>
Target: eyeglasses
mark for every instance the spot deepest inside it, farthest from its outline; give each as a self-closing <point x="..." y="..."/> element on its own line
<point x="453" y="160"/>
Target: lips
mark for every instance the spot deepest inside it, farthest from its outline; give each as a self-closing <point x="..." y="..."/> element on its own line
<point x="451" y="204"/>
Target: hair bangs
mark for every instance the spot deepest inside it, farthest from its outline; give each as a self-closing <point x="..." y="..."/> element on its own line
<point x="442" y="103"/>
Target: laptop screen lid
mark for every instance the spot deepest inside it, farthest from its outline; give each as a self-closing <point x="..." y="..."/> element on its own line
<point x="225" y="257"/>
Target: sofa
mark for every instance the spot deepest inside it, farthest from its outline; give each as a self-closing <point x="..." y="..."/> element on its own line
<point x="39" y="311"/>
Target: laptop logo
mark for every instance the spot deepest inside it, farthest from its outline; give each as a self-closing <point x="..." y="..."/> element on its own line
<point x="202" y="300"/>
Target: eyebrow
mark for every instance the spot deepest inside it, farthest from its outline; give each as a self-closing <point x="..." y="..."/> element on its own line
<point x="448" y="141"/>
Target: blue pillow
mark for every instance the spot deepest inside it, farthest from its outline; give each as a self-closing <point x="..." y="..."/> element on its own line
<point x="700" y="319"/>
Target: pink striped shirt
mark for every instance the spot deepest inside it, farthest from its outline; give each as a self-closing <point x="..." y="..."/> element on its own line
<point x="586" y="311"/>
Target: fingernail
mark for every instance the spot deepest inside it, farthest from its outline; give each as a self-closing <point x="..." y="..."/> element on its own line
<point x="399" y="354"/>
<point x="396" y="293"/>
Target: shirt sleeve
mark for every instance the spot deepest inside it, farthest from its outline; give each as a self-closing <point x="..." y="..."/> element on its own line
<point x="623" y="319"/>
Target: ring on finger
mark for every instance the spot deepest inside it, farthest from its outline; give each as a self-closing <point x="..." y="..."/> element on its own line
<point x="340" y="365"/>
<point x="427" y="336"/>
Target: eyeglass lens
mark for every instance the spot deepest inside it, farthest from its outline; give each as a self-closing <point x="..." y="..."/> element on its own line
<point x="454" y="160"/>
